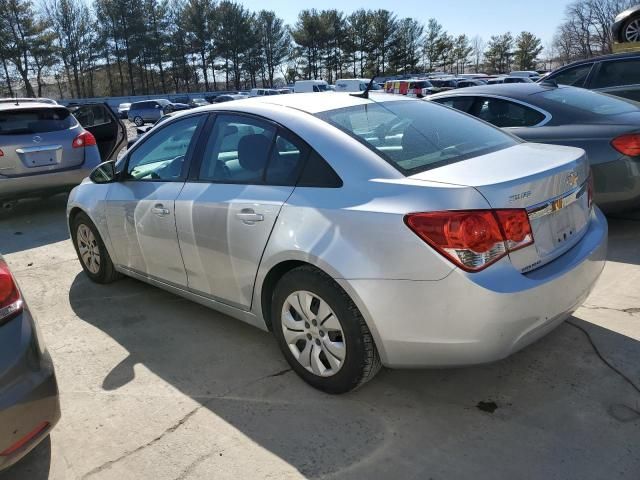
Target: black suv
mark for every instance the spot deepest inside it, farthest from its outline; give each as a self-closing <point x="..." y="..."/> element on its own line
<point x="617" y="74"/>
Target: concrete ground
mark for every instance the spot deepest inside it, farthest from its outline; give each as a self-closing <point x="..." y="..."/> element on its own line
<point x="156" y="387"/>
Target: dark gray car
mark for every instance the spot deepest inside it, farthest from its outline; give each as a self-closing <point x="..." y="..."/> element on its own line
<point x="617" y="74"/>
<point x="606" y="127"/>
<point x="29" y="403"/>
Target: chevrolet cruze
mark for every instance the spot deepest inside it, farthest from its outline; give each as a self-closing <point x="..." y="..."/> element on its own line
<point x="361" y="231"/>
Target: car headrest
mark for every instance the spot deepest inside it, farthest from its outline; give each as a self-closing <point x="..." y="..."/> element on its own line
<point x="413" y="142"/>
<point x="498" y="107"/>
<point x="253" y="152"/>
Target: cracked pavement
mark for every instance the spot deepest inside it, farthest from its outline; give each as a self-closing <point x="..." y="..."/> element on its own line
<point x="156" y="387"/>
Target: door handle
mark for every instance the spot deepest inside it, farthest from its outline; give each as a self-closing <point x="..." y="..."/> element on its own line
<point x="249" y="216"/>
<point x="159" y="210"/>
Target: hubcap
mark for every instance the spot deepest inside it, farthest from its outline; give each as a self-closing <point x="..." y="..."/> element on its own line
<point x="632" y="32"/>
<point x="88" y="248"/>
<point x="314" y="333"/>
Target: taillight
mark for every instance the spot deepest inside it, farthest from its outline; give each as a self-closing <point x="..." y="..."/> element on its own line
<point x="627" y="144"/>
<point x="85" y="139"/>
<point x="10" y="299"/>
<point x="473" y="239"/>
<point x="1" y="153"/>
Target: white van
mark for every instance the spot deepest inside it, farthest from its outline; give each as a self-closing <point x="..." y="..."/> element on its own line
<point x="302" y="86"/>
<point x="352" y="84"/>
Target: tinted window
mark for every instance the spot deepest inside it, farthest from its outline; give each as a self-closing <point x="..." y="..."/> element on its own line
<point x="592" y="102"/>
<point x="318" y="173"/>
<point x="161" y="156"/>
<point x="414" y="135"/>
<point x="237" y="151"/>
<point x="35" y="120"/>
<point x="611" y="74"/>
<point x="503" y="113"/>
<point x="92" y="115"/>
<point x="459" y="103"/>
<point x="574" y="76"/>
<point x="287" y="157"/>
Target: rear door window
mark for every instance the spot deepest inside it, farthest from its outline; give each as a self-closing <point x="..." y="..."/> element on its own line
<point x="25" y="121"/>
<point x="617" y="73"/>
<point x="92" y="116"/>
<point x="459" y="103"/>
<point x="237" y="151"/>
<point x="503" y="113"/>
<point x="575" y="76"/>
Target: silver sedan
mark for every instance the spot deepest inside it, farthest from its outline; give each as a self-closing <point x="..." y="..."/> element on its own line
<point x="361" y="231"/>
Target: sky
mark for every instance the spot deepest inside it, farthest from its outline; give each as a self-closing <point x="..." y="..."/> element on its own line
<point x="472" y="17"/>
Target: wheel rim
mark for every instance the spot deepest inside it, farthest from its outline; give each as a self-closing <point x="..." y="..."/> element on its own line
<point x="632" y="32"/>
<point x="313" y="333"/>
<point x="138" y="121"/>
<point x="88" y="248"/>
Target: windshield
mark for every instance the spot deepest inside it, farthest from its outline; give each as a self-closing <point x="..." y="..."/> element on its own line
<point x="593" y="102"/>
<point x="414" y="136"/>
<point x="35" y="120"/>
<point x="321" y="88"/>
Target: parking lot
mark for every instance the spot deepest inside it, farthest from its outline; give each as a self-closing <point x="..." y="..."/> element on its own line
<point x="153" y="386"/>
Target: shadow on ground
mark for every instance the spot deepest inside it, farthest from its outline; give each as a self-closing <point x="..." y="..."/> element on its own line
<point x="559" y="412"/>
<point x="33" y="223"/>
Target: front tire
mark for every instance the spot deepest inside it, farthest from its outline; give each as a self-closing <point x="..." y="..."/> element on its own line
<point x="138" y="121"/>
<point x="321" y="332"/>
<point x="92" y="253"/>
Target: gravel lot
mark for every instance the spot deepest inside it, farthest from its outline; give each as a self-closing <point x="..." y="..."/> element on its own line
<point x="153" y="386"/>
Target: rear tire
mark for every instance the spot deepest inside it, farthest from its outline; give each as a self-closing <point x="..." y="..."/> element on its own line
<point x="630" y="31"/>
<point x="92" y="253"/>
<point x="312" y="318"/>
<point x="138" y="121"/>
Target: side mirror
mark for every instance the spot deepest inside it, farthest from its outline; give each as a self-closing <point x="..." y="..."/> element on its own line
<point x="104" y="173"/>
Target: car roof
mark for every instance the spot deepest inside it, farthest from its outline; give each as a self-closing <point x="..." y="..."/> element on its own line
<point x="28" y="105"/>
<point x="513" y="90"/>
<point x="318" y="102"/>
<point x="611" y="56"/>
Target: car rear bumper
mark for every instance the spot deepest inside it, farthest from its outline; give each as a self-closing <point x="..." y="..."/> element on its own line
<point x="41" y="183"/>
<point x="28" y="394"/>
<point x="617" y="184"/>
<point x="470" y="318"/>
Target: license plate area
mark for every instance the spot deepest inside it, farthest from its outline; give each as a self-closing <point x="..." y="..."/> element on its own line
<point x="559" y="223"/>
<point x="40" y="159"/>
<point x="33" y="157"/>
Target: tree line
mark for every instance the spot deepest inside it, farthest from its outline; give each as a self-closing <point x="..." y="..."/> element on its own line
<point x="130" y="47"/>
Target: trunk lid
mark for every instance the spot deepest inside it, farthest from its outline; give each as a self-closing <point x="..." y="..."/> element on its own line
<point x="550" y="182"/>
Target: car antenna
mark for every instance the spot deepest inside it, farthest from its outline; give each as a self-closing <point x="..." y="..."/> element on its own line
<point x="365" y="94"/>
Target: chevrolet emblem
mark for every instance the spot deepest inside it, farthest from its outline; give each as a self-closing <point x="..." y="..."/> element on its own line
<point x="572" y="179"/>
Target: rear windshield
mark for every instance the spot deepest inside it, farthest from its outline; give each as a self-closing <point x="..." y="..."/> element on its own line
<point x="415" y="136"/>
<point x="35" y="120"/>
<point x="592" y="102"/>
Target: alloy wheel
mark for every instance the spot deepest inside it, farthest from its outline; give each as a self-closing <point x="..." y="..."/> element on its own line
<point x="632" y="31"/>
<point x="138" y="121"/>
<point x="313" y="333"/>
<point x="88" y="248"/>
